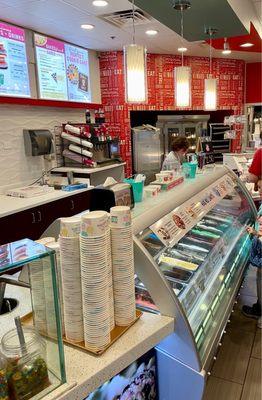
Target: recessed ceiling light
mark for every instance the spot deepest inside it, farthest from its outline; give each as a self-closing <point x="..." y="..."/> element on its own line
<point x="182" y="49"/>
<point x="89" y="27"/>
<point x="100" y="3"/>
<point x="247" y="45"/>
<point x="151" y="32"/>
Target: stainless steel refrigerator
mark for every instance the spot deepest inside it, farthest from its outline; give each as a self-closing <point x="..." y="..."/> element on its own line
<point x="148" y="151"/>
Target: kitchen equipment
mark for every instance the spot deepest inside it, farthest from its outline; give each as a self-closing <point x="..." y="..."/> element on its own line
<point x="147" y="151"/>
<point x="173" y="126"/>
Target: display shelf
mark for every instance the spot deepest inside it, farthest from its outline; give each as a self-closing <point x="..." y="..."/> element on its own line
<point x="194" y="236"/>
<point x="48" y="103"/>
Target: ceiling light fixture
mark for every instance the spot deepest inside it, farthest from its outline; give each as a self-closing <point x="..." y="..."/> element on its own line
<point x="226" y="47"/>
<point x="100" y="3"/>
<point x="247" y="45"/>
<point x="135" y="69"/>
<point x="151" y="32"/>
<point x="182" y="74"/>
<point x="182" y="49"/>
<point x="88" y="27"/>
<point x="210" y="96"/>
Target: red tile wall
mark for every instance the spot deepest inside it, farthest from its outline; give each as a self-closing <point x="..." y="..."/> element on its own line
<point x="160" y="71"/>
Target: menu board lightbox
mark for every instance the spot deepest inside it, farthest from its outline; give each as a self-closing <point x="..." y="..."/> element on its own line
<point x="14" y="77"/>
<point x="62" y="69"/>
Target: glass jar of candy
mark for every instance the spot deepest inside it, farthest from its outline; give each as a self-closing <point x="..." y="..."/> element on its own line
<point x="3" y="378"/>
<point x="27" y="373"/>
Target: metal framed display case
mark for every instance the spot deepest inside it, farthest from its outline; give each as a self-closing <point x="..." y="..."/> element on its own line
<point x="191" y="250"/>
<point x="35" y="368"/>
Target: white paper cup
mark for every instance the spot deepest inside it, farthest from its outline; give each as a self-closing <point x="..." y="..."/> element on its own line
<point x="94" y="224"/>
<point x="120" y="217"/>
<point x="70" y="227"/>
<point x="162" y="177"/>
<point x="150" y="192"/>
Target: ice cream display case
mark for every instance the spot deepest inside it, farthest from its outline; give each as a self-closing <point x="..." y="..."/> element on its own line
<point x="31" y="347"/>
<point x="191" y="250"/>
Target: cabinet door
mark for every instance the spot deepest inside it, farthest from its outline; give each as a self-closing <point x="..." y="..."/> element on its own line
<point x="18" y="226"/>
<point x="33" y="222"/>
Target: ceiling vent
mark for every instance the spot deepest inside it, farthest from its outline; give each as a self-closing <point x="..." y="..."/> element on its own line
<point x="123" y="19"/>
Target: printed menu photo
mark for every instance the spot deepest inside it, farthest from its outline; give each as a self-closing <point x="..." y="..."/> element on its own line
<point x="51" y="68"/>
<point x="14" y="78"/>
<point x="63" y="70"/>
<point x="77" y="70"/>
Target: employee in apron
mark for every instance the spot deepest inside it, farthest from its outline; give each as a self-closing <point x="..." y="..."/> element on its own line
<point x="175" y="158"/>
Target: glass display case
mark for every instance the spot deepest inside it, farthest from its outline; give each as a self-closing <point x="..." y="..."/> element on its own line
<point x="35" y="363"/>
<point x="190" y="257"/>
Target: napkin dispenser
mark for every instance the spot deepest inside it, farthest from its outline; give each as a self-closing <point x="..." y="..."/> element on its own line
<point x="118" y="194"/>
<point x="38" y="142"/>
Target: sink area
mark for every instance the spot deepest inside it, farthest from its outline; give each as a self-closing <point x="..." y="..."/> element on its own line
<point x="20" y="295"/>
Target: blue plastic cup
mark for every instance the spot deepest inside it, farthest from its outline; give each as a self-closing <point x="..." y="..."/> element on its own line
<point x="189" y="170"/>
<point x="137" y="188"/>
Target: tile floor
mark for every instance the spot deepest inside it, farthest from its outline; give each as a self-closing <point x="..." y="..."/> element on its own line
<point x="236" y="374"/>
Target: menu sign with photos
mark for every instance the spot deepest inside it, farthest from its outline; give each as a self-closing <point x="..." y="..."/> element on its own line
<point x="171" y="228"/>
<point x="77" y="71"/>
<point x="14" y="78"/>
<point x="63" y="70"/>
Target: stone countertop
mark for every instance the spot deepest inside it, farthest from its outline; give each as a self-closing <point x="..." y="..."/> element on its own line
<point x="87" y="171"/>
<point x="11" y="205"/>
<point x="85" y="372"/>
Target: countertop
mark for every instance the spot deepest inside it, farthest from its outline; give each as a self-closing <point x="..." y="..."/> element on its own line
<point x="11" y="205"/>
<point x="87" y="171"/>
<point x="85" y="372"/>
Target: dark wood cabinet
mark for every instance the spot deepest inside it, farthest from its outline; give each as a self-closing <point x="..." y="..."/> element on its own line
<point x="33" y="222"/>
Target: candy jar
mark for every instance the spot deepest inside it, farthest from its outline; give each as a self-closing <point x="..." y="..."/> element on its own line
<point x="3" y="378"/>
<point x="27" y="372"/>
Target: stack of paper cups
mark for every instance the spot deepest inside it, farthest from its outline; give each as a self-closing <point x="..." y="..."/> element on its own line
<point x="55" y="246"/>
<point x="47" y="286"/>
<point x="71" y="278"/>
<point x="123" y="265"/>
<point x="36" y="276"/>
<point x="94" y="240"/>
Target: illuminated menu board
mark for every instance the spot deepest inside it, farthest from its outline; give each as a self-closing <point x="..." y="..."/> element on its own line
<point x="63" y="70"/>
<point x="14" y="78"/>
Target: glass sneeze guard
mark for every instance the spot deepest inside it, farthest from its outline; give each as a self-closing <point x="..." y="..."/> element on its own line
<point x="39" y="265"/>
<point x="206" y="259"/>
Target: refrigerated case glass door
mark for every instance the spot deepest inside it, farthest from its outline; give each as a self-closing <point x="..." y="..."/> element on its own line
<point x="205" y="264"/>
<point x="190" y="132"/>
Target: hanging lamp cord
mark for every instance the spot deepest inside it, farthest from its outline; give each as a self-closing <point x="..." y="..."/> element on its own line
<point x="182" y="33"/>
<point x="210" y="55"/>
<point x="133" y="20"/>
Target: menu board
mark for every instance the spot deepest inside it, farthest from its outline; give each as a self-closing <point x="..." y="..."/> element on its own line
<point x="63" y="70"/>
<point x="14" y="78"/>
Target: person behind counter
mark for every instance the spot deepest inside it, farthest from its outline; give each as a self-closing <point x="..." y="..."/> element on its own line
<point x="180" y="147"/>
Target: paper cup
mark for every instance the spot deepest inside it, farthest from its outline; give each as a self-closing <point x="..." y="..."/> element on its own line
<point x="162" y="177"/>
<point x="70" y="227"/>
<point x="120" y="217"/>
<point x="94" y="224"/>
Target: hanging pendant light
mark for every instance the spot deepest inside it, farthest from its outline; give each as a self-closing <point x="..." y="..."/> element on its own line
<point x="135" y="70"/>
<point x="210" y="97"/>
<point x="182" y="74"/>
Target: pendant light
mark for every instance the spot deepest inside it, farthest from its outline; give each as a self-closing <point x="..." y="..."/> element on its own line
<point x="182" y="74"/>
<point x="135" y="70"/>
<point x="210" y="97"/>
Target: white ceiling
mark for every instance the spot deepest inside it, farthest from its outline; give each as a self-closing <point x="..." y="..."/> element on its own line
<point x="62" y="19"/>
